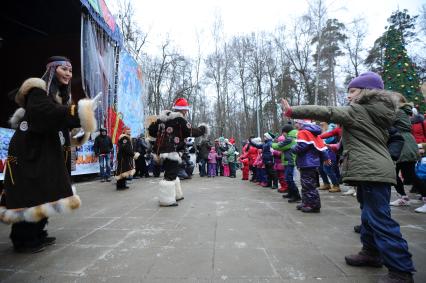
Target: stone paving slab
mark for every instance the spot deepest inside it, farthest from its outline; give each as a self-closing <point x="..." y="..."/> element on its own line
<point x="225" y="230"/>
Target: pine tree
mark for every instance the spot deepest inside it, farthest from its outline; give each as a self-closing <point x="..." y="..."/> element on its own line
<point x="399" y="71"/>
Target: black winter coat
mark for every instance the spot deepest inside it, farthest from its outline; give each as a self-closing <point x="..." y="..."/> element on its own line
<point x="103" y="145"/>
<point x="125" y="158"/>
<point x="169" y="133"/>
<point x="37" y="178"/>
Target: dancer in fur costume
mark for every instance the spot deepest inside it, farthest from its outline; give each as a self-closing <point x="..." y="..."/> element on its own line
<point x="37" y="181"/>
<point x="125" y="160"/>
<point x="169" y="133"/>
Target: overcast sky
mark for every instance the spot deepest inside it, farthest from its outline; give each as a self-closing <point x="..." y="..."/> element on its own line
<point x="181" y="20"/>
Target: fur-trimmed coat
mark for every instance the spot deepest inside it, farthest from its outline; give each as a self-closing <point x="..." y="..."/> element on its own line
<point x="37" y="178"/>
<point x="125" y="158"/>
<point x="169" y="133"/>
<point x="365" y="125"/>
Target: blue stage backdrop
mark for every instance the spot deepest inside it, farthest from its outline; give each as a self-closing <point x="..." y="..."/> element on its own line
<point x="130" y="92"/>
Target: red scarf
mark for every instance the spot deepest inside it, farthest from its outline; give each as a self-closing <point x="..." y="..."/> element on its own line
<point x="306" y="136"/>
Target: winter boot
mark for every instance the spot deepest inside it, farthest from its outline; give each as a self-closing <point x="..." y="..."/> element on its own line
<point x="178" y="188"/>
<point x="283" y="187"/>
<point x="294" y="199"/>
<point x="287" y="195"/>
<point x="310" y="209"/>
<point x="299" y="206"/>
<point x="421" y="209"/>
<point x="364" y="258"/>
<point x="349" y="192"/>
<point x="357" y="229"/>
<point x="397" y="277"/>
<point x="334" y="189"/>
<point x="324" y="187"/>
<point x="167" y="193"/>
<point x="403" y="201"/>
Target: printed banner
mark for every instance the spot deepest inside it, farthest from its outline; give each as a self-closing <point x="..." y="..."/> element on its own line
<point x="130" y="93"/>
<point x="86" y="160"/>
<point x="5" y="136"/>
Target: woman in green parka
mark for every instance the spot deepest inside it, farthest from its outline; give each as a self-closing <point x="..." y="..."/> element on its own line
<point x="409" y="154"/>
<point x="368" y="165"/>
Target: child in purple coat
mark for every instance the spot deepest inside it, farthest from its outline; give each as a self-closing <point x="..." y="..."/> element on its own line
<point x="310" y="151"/>
<point x="212" y="162"/>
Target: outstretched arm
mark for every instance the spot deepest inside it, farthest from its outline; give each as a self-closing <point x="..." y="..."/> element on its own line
<point x="321" y="113"/>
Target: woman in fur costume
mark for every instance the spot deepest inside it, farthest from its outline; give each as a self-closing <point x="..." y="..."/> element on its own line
<point x="169" y="133"/>
<point x="37" y="181"/>
<point x="125" y="160"/>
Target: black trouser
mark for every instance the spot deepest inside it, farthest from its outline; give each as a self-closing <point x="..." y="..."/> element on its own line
<point x="121" y="184"/>
<point x="253" y="173"/>
<point x="141" y="168"/>
<point x="408" y="173"/>
<point x="232" y="169"/>
<point x="171" y="169"/>
<point x="272" y="175"/>
<point x="219" y="167"/>
<point x="28" y="234"/>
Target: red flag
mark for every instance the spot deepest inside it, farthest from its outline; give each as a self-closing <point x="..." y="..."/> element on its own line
<point x="115" y="124"/>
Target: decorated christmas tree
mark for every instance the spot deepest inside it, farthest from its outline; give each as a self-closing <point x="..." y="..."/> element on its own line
<point x="399" y="71"/>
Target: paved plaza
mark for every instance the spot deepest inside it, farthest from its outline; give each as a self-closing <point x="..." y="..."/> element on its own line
<point x="226" y="230"/>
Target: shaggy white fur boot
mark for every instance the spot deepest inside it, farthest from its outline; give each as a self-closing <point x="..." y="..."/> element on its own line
<point x="167" y="193"/>
<point x="178" y="189"/>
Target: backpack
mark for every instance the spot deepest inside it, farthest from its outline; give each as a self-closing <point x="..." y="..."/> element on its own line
<point x="421" y="169"/>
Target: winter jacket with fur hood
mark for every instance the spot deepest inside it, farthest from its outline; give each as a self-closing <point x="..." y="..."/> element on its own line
<point x="169" y="133"/>
<point x="403" y="124"/>
<point x="37" y="178"/>
<point x="365" y="126"/>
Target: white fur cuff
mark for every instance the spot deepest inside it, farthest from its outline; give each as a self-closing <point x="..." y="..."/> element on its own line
<point x="87" y="115"/>
<point x="136" y="156"/>
<point x="17" y="117"/>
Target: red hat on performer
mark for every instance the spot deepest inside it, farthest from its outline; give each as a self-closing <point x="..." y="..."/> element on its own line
<point x="181" y="104"/>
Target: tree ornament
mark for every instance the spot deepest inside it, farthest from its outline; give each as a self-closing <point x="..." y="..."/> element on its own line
<point x="393" y="48"/>
<point x="404" y="70"/>
<point x="406" y="64"/>
<point x="400" y="64"/>
<point x="398" y="75"/>
<point x="402" y="86"/>
<point x="410" y="78"/>
<point x="399" y="55"/>
<point x="416" y="98"/>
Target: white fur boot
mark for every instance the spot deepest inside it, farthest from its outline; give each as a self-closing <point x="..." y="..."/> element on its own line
<point x="178" y="188"/>
<point x="167" y="193"/>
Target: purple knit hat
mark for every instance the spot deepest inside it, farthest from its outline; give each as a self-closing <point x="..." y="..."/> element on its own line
<point x="368" y="80"/>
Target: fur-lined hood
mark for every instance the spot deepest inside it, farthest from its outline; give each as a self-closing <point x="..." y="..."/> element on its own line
<point x="167" y="115"/>
<point x="25" y="88"/>
<point x="388" y="98"/>
<point x="381" y="105"/>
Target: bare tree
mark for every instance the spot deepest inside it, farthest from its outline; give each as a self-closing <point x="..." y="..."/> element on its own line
<point x="354" y="43"/>
<point x="256" y="65"/>
<point x="133" y="36"/>
<point x="298" y="51"/>
<point x="318" y="16"/>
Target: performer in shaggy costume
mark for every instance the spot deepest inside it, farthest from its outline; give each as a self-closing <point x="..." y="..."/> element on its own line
<point x="125" y="160"/>
<point x="37" y="181"/>
<point x="169" y="133"/>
